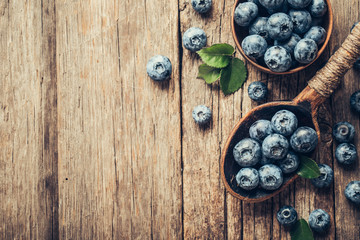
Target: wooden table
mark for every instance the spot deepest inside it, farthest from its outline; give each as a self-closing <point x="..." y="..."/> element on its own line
<point x="91" y="148"/>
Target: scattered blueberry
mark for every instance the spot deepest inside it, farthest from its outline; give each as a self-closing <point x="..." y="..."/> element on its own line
<point x="316" y="33"/>
<point x="346" y="153"/>
<point x="247" y="178"/>
<point x="319" y="221"/>
<point x="357" y="64"/>
<point x="326" y="177"/>
<point x="290" y="163"/>
<point x="247" y="152"/>
<point x="254" y="46"/>
<point x="298" y="4"/>
<point x="305" y="51"/>
<point x="245" y="12"/>
<point x="159" y="68"/>
<point x="304" y="140"/>
<point x="343" y="132"/>
<point x="201" y="6"/>
<point x="258" y="27"/>
<point x="272" y="4"/>
<point x="284" y="122"/>
<point x="270" y="177"/>
<point x="353" y="26"/>
<point x="287" y="216"/>
<point x="275" y="146"/>
<point x="352" y="192"/>
<point x="194" y="39"/>
<point x="277" y="59"/>
<point x="301" y="20"/>
<point x="318" y="8"/>
<point x="279" y="26"/>
<point x="201" y="114"/>
<point x="257" y="91"/>
<point x="260" y="129"/>
<point x="289" y="44"/>
<point x="355" y="101"/>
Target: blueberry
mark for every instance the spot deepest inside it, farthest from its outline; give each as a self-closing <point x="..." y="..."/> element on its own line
<point x="343" y="132"/>
<point x="247" y="178"/>
<point x="319" y="221"/>
<point x="257" y="91"/>
<point x="287" y="216"/>
<point x="254" y="1"/>
<point x="298" y="4"/>
<point x="346" y="153"/>
<point x="277" y="59"/>
<point x="289" y="44"/>
<point x="304" y="140"/>
<point x="326" y="177"/>
<point x="245" y="13"/>
<point x="264" y="160"/>
<point x="283" y="8"/>
<point x="275" y="146"/>
<point x="301" y="20"/>
<point x="279" y="26"/>
<point x="316" y="33"/>
<point x="355" y="101"/>
<point x="352" y="192"/>
<point x="254" y="46"/>
<point x="270" y="177"/>
<point x="290" y="163"/>
<point x="159" y="68"/>
<point x="284" y="122"/>
<point x="318" y="8"/>
<point x="258" y="27"/>
<point x="357" y="64"/>
<point x="194" y="39"/>
<point x="305" y="51"/>
<point x="260" y="129"/>
<point x="201" y="114"/>
<point x="247" y="152"/>
<point x="201" y="6"/>
<point x="316" y="21"/>
<point x="353" y="26"/>
<point x="272" y="4"/>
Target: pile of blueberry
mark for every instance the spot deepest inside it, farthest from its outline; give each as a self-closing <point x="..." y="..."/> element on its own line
<point x="266" y="155"/>
<point x="282" y="33"/>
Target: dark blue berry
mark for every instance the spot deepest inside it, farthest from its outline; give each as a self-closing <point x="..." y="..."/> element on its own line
<point x="254" y="1"/>
<point x="304" y="140"/>
<point x="159" y="68"/>
<point x="272" y="4"/>
<point x="326" y="177"/>
<point x="254" y="46"/>
<point x="301" y="20"/>
<point x="277" y="59"/>
<point x="343" y="132"/>
<point x="247" y="152"/>
<point x="318" y="8"/>
<point x="283" y="8"/>
<point x="201" y="6"/>
<point x="316" y="33"/>
<point x="305" y="51"/>
<point x="317" y="21"/>
<point x="284" y="122"/>
<point x="260" y="129"/>
<point x="287" y="216"/>
<point x="319" y="221"/>
<point x="355" y="101"/>
<point x="298" y="4"/>
<point x="264" y="160"/>
<point x="245" y="13"/>
<point x="247" y="178"/>
<point x="194" y="39"/>
<point x="257" y="91"/>
<point x="290" y="163"/>
<point x="289" y="44"/>
<point x="357" y="64"/>
<point x="346" y="153"/>
<point x="353" y="26"/>
<point x="258" y="27"/>
<point x="352" y="192"/>
<point x="270" y="177"/>
<point x="275" y="146"/>
<point x="279" y="26"/>
<point x="201" y="114"/>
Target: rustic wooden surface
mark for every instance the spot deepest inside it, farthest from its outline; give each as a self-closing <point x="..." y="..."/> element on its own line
<point x="91" y="148"/>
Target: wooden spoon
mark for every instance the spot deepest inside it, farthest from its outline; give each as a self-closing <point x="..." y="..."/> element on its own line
<point x="304" y="106"/>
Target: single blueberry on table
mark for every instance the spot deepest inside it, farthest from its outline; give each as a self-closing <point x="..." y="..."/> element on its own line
<point x="247" y="152"/>
<point x="301" y="20"/>
<point x="201" y="6"/>
<point x="304" y="140"/>
<point x="275" y="146"/>
<point x="290" y="163"/>
<point x="277" y="59"/>
<point x="352" y="192"/>
<point x="357" y="64"/>
<point x="272" y="4"/>
<point x="270" y="177"/>
<point x="257" y="91"/>
<point x="298" y="4"/>
<point x="326" y="177"/>
<point x="355" y="101"/>
<point x="346" y="153"/>
<point x="201" y="114"/>
<point x="305" y="51"/>
<point x="159" y="68"/>
<point x="289" y="44"/>
<point x="343" y="132"/>
<point x="254" y="46"/>
<point x="245" y="13"/>
<point x="287" y="216"/>
<point x="284" y="122"/>
<point x="260" y="129"/>
<point x="279" y="26"/>
<point x="258" y="27"/>
<point x="247" y="178"/>
<point x="194" y="39"/>
<point x="316" y="33"/>
<point x="319" y="221"/>
<point x="318" y="8"/>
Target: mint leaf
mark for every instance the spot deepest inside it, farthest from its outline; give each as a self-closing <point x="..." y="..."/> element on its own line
<point x="218" y="55"/>
<point x="209" y="74"/>
<point x="301" y="231"/>
<point x="308" y="168"/>
<point x="233" y="76"/>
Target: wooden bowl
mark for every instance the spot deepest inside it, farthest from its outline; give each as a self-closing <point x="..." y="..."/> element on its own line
<point x="239" y="33"/>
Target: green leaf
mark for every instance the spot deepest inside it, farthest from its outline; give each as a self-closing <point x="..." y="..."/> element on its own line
<point x="233" y="76"/>
<point x="209" y="74"/>
<point x="218" y="55"/>
<point x="301" y="231"/>
<point x="308" y="168"/>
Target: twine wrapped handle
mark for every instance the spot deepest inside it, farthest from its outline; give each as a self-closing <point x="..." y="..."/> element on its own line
<point x="328" y="78"/>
